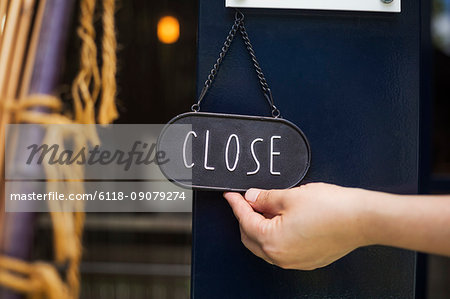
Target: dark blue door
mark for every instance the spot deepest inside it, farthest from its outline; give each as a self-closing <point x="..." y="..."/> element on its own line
<point x="351" y="82"/>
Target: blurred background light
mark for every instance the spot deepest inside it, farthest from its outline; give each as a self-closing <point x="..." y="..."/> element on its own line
<point x="168" y="30"/>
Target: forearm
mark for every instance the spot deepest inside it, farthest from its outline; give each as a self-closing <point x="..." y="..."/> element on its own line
<point x="420" y="223"/>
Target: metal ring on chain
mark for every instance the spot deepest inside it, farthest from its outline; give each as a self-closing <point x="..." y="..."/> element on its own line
<point x="195" y="107"/>
<point x="276" y="112"/>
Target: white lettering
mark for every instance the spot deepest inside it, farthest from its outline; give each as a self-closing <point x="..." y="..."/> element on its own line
<point x="272" y="153"/>
<point x="236" y="159"/>
<point x="254" y="156"/>
<point x="206" y="152"/>
<point x="184" y="149"/>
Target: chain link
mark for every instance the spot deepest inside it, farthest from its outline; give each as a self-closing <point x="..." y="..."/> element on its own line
<point x="238" y="26"/>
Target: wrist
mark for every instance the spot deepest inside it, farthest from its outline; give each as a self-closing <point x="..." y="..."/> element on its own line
<point x="367" y="216"/>
<point x="379" y="211"/>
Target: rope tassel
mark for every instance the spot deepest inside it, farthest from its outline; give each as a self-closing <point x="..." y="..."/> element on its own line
<point x="89" y="82"/>
<point x="108" y="110"/>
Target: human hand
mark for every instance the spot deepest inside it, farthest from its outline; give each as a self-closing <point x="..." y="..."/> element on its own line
<point x="303" y="228"/>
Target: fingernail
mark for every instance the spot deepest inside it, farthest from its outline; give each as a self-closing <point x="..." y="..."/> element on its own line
<point x="252" y="194"/>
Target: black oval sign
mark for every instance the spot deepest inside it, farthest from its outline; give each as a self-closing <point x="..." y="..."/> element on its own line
<point x="233" y="152"/>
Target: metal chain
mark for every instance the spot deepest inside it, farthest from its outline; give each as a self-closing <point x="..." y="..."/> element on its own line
<point x="262" y="80"/>
<point x="226" y="45"/>
<point x="238" y="25"/>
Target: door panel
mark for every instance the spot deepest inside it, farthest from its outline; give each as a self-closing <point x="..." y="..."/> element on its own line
<point x="351" y="82"/>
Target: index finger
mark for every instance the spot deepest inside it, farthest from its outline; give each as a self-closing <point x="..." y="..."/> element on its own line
<point x="251" y="222"/>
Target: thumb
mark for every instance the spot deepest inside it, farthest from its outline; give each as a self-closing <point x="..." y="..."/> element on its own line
<point x="266" y="201"/>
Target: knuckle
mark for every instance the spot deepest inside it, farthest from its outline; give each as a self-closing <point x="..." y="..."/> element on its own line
<point x="243" y="238"/>
<point x="307" y="268"/>
<point x="276" y="197"/>
<point x="264" y="196"/>
<point x="244" y="219"/>
<point x="277" y="253"/>
<point x="285" y="266"/>
<point x="312" y="185"/>
<point x="310" y="188"/>
<point x="272" y="252"/>
<point x="263" y="229"/>
<point x="318" y="185"/>
<point x="306" y="186"/>
<point x="265" y="232"/>
<point x="247" y="244"/>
